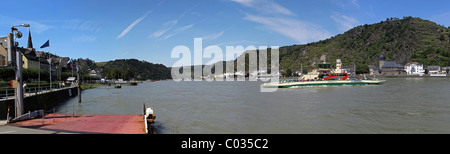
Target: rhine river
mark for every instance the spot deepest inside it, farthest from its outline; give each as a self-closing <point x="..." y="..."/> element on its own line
<point x="410" y="105"/>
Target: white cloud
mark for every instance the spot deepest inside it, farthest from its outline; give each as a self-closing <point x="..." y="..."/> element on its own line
<point x="344" y="22"/>
<point x="301" y="31"/>
<point x="164" y="28"/>
<point x="213" y="36"/>
<point x="277" y="18"/>
<point x="85" y="38"/>
<point x="85" y="25"/>
<point x="178" y="30"/>
<point x="124" y="32"/>
<point x="36" y="27"/>
<point x="443" y="18"/>
<point x="265" y="6"/>
<point x="355" y="3"/>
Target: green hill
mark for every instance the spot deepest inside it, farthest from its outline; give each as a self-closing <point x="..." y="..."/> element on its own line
<point x="133" y="68"/>
<point x="403" y="40"/>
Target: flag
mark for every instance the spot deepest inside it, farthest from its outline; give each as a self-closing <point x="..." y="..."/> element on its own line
<point x="46" y="44"/>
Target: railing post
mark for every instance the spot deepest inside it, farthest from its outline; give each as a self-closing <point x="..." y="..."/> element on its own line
<point x="7" y="116"/>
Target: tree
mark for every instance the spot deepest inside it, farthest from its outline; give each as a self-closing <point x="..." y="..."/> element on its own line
<point x="289" y="72"/>
<point x="7" y="74"/>
<point x="283" y="73"/>
<point x="361" y="69"/>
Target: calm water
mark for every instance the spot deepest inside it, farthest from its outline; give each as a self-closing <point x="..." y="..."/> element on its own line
<point x="399" y="106"/>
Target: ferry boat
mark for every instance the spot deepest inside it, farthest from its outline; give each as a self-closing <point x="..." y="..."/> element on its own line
<point x="324" y="76"/>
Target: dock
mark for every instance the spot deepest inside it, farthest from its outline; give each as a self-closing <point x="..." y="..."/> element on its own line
<point x="84" y="124"/>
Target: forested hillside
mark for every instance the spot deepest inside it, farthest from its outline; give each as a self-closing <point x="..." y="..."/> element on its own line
<point x="134" y="69"/>
<point x="403" y="40"/>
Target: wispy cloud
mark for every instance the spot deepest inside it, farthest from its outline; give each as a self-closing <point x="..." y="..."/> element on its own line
<point x="85" y="38"/>
<point x="279" y="19"/>
<point x="84" y="25"/>
<point x="164" y="28"/>
<point x="213" y="36"/>
<point x="355" y="3"/>
<point x="36" y="26"/>
<point x="178" y="30"/>
<point x="124" y="32"/>
<point x="301" y="31"/>
<point x="265" y="6"/>
<point x="344" y="22"/>
<point x="443" y="18"/>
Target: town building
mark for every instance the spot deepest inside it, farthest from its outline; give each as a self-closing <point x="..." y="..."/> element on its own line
<point x="414" y="68"/>
<point x="390" y="67"/>
<point x="444" y="69"/>
<point x="434" y="69"/>
<point x="95" y="73"/>
<point x="3" y="54"/>
<point x="374" y="70"/>
<point x="3" y="51"/>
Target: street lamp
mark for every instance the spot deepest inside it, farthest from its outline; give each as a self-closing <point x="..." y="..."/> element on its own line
<point x="22" y="25"/>
<point x="18" y="33"/>
<point x="19" y="90"/>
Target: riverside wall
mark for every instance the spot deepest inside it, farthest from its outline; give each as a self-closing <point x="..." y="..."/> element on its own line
<point x="37" y="102"/>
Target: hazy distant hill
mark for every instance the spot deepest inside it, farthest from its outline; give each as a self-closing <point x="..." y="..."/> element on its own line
<point x="403" y="40"/>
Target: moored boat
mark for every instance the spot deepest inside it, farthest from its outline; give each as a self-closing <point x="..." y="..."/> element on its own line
<point x="324" y="76"/>
<point x="322" y="83"/>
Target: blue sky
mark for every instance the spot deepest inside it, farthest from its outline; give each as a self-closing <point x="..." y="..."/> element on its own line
<point x="104" y="30"/>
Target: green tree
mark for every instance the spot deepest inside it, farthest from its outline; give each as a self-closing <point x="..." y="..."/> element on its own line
<point x="361" y="69"/>
<point x="7" y="74"/>
<point x="289" y="72"/>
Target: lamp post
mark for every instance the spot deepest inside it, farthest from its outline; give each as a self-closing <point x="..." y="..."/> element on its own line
<point x="19" y="89"/>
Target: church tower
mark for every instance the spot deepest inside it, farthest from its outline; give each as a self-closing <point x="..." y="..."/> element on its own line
<point x="382" y="59"/>
<point x="30" y="42"/>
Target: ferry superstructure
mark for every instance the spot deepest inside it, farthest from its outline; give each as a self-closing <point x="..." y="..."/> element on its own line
<point x="324" y="76"/>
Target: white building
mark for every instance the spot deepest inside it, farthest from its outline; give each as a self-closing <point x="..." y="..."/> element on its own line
<point x="434" y="69"/>
<point x="414" y="69"/>
<point x="338" y="66"/>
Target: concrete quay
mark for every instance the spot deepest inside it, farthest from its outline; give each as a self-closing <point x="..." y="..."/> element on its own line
<point x="78" y="124"/>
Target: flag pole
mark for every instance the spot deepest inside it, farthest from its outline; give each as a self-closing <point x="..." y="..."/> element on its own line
<point x="50" y="57"/>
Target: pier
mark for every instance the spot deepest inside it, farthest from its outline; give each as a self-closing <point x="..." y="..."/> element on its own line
<point x="78" y="124"/>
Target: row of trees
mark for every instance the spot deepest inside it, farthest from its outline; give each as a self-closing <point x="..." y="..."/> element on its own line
<point x="29" y="74"/>
<point x="118" y="73"/>
<point x="7" y="74"/>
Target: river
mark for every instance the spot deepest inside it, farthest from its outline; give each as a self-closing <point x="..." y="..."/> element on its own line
<point x="409" y="105"/>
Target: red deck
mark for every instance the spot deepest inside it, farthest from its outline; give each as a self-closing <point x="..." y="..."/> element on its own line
<point x="99" y="124"/>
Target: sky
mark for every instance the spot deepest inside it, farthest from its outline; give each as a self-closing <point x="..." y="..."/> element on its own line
<point x="104" y="30"/>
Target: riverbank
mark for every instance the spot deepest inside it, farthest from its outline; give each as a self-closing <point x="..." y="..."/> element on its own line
<point x="86" y="86"/>
<point x="410" y="76"/>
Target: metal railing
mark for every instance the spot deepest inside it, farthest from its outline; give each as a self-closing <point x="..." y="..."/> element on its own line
<point x="9" y="93"/>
